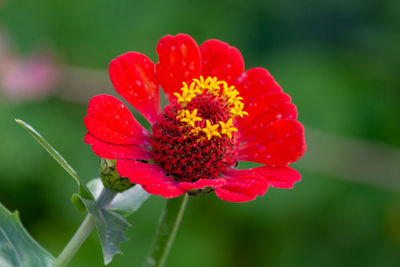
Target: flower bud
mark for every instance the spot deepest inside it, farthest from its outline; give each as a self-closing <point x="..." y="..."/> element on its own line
<point x="111" y="178"/>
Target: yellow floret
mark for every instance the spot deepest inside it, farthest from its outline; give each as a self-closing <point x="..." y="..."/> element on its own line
<point x="211" y="130"/>
<point x="189" y="118"/>
<point x="237" y="109"/>
<point x="188" y="93"/>
<point x="210" y="85"/>
<point x="227" y="129"/>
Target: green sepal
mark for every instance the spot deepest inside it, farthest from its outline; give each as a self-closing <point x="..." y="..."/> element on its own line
<point x="111" y="178"/>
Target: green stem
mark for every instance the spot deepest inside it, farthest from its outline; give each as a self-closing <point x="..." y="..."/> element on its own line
<point x="168" y="225"/>
<point x="75" y="243"/>
<point x="106" y="196"/>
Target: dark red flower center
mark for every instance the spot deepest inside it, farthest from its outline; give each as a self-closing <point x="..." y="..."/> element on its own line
<point x="195" y="139"/>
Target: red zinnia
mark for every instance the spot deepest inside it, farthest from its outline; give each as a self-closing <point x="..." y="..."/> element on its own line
<point x="218" y="115"/>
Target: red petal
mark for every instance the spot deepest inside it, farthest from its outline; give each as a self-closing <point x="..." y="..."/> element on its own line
<point x="132" y="75"/>
<point x="254" y="82"/>
<point x="141" y="173"/>
<point x="111" y="151"/>
<point x="250" y="130"/>
<point x="264" y="103"/>
<point x="280" y="177"/>
<point x="221" y="60"/>
<point x="214" y="183"/>
<point x="279" y="144"/>
<point x="166" y="190"/>
<point x="111" y="121"/>
<point x="242" y="187"/>
<point x="179" y="61"/>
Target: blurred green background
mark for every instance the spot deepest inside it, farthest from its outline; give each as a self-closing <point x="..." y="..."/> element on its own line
<point x="339" y="60"/>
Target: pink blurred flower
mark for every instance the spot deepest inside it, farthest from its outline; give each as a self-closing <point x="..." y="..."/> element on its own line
<point x="2" y="2"/>
<point x="27" y="78"/>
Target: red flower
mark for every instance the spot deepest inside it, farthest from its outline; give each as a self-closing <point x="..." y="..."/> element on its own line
<point x="218" y="115"/>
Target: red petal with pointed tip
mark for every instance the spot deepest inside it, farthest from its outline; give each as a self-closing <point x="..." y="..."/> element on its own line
<point x="111" y="151"/>
<point x="132" y="75"/>
<point x="179" y="61"/>
<point x="111" y="121"/>
<point x="214" y="183"/>
<point x="280" y="177"/>
<point x="279" y="144"/>
<point x="242" y="188"/>
<point x="254" y="82"/>
<point x="221" y="60"/>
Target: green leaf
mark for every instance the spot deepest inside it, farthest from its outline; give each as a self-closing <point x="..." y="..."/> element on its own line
<point x="83" y="190"/>
<point x="17" y="247"/>
<point x="124" y="203"/>
<point x="110" y="227"/>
